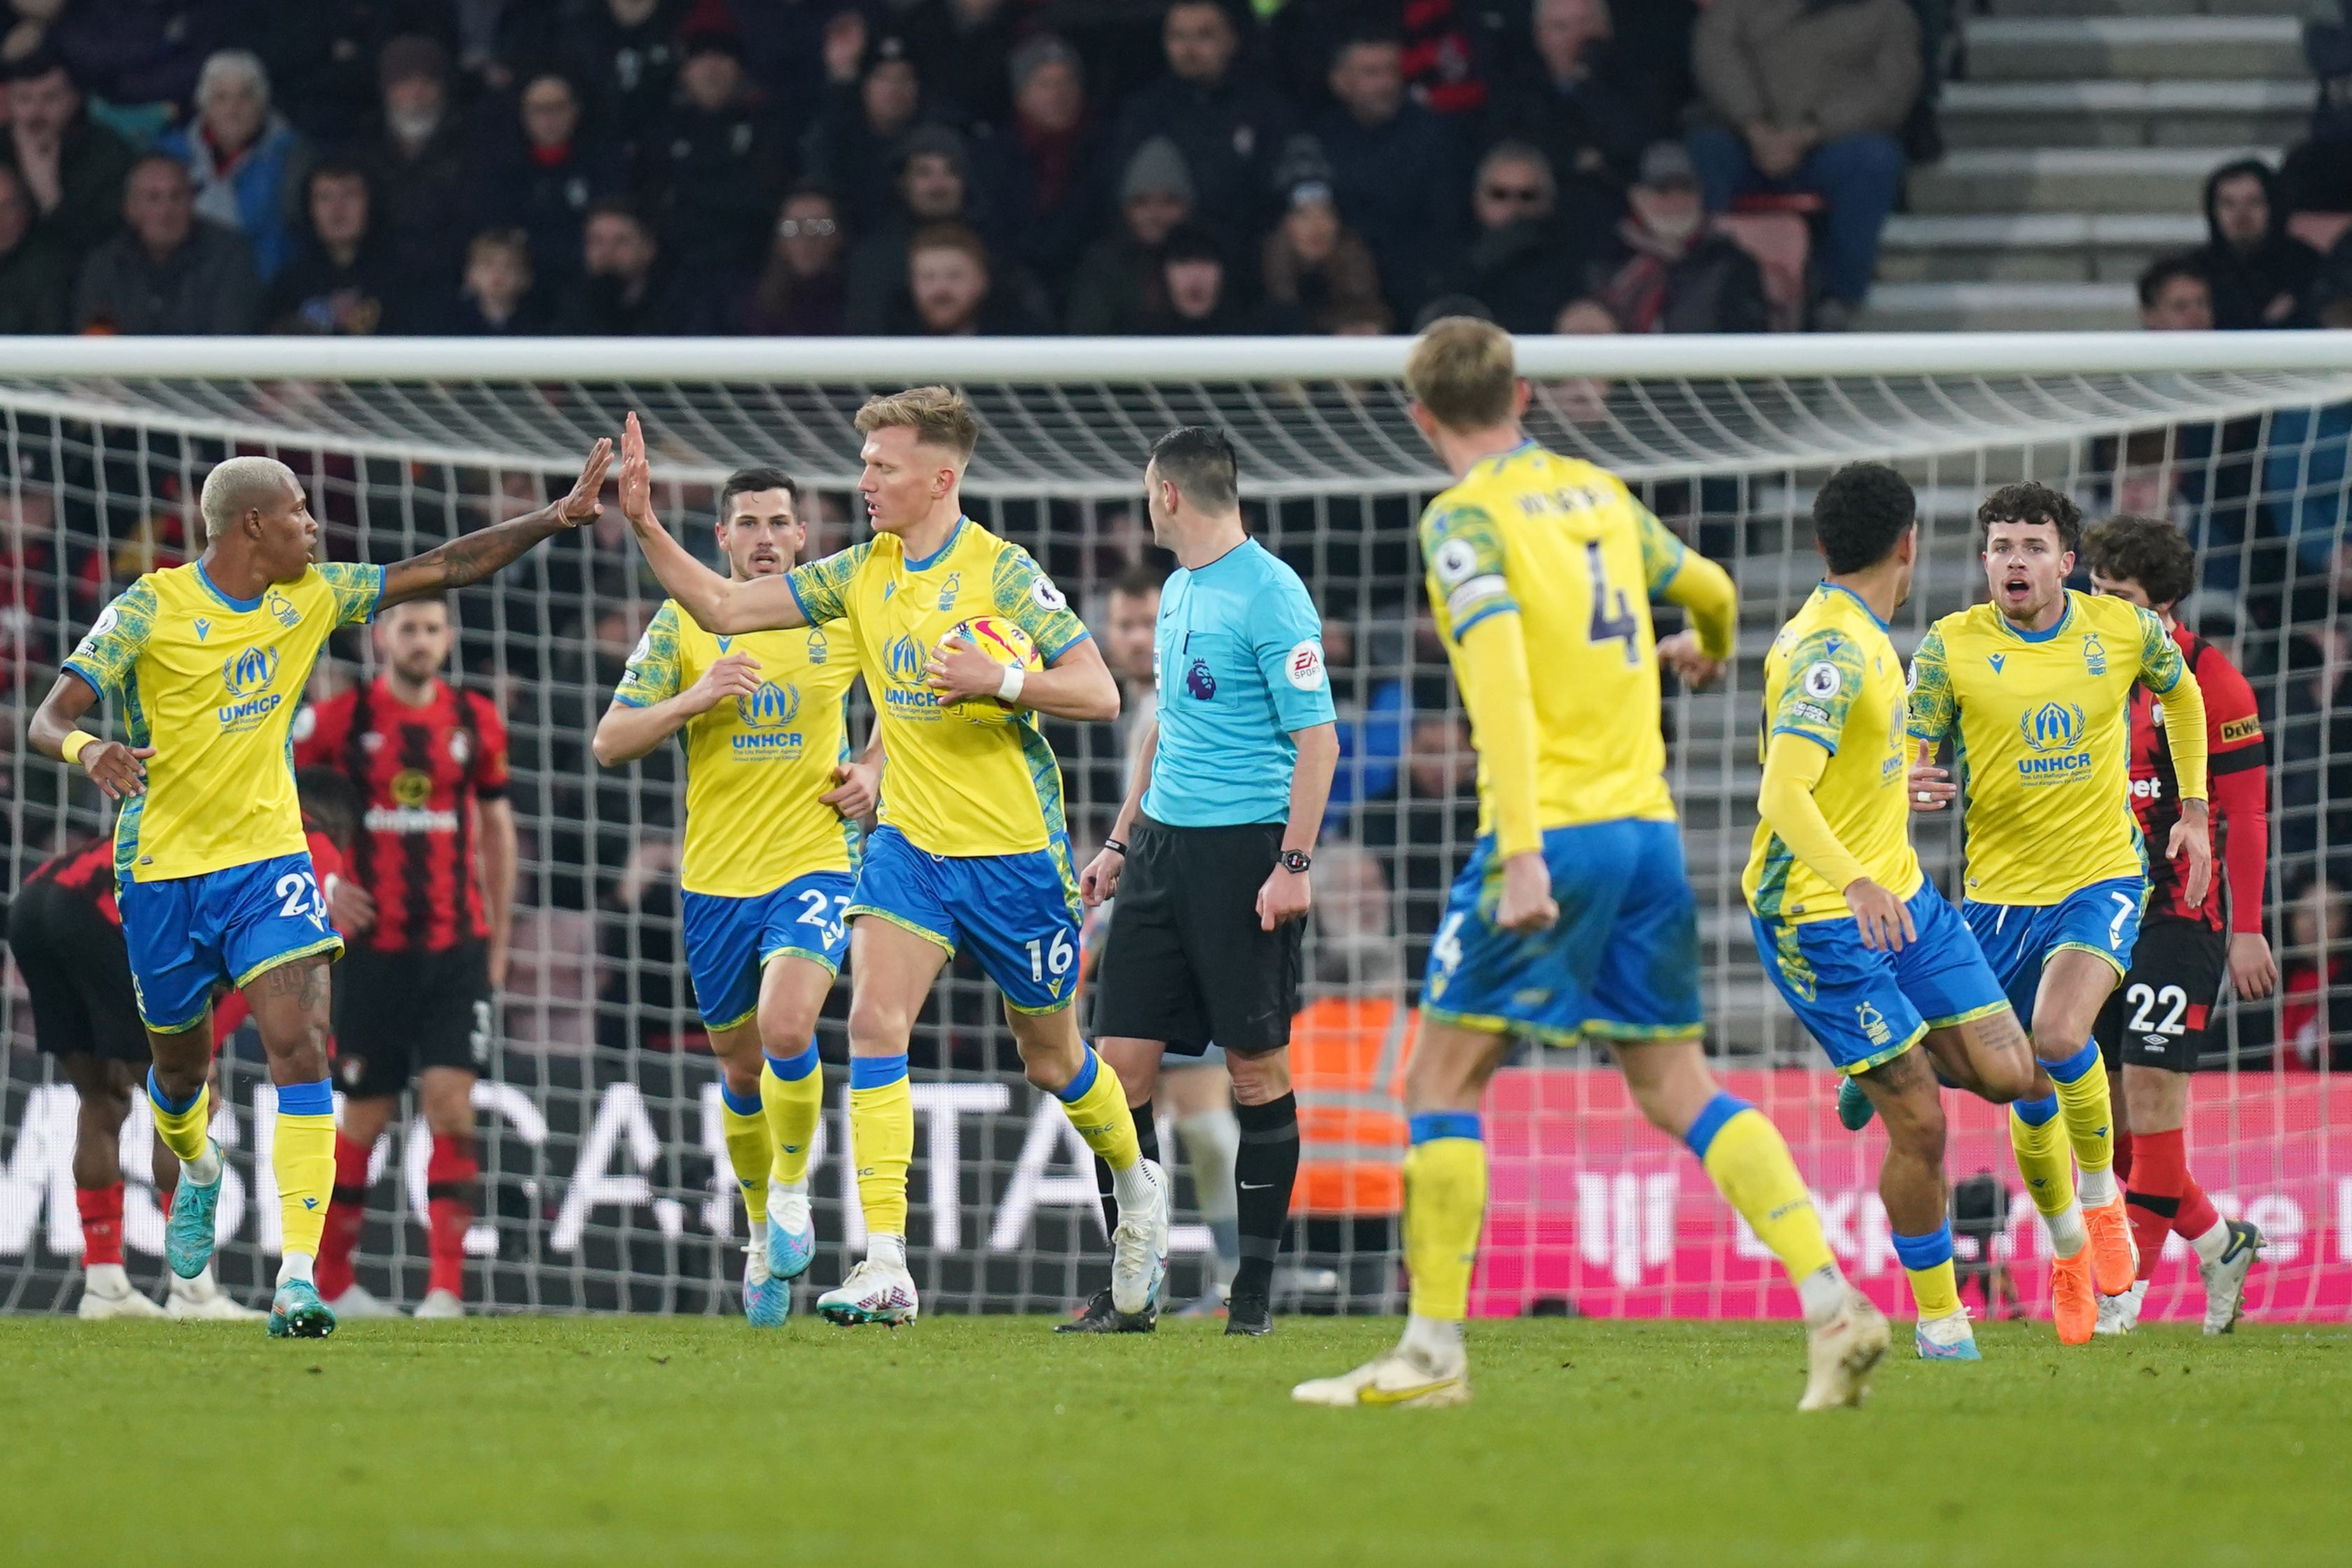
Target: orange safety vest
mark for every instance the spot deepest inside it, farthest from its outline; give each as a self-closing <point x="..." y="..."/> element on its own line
<point x="1347" y="1066"/>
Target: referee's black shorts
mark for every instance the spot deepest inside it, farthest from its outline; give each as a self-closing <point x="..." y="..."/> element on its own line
<point x="1185" y="961"/>
<point x="77" y="970"/>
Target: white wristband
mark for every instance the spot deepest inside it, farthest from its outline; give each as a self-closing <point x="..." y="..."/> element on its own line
<point x="1009" y="689"/>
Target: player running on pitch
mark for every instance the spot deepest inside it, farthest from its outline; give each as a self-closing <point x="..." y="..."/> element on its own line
<point x="1869" y="955"/>
<point x="2036" y="689"/>
<point x="214" y="879"/>
<point x="1572" y="917"/>
<point x="970" y="845"/>
<point x="772" y="807"/>
<point x="2156" y="1023"/>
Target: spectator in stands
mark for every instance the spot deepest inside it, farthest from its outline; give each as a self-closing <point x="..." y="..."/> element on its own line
<point x="2316" y="1005"/>
<point x="2175" y="297"/>
<point x="1316" y="272"/>
<point x="1227" y="126"/>
<point x="1050" y="185"/>
<point x="952" y="291"/>
<point x="321" y="57"/>
<point x="1196" y="292"/>
<point x="1396" y="168"/>
<point x="802" y="291"/>
<point x="168" y="271"/>
<point x="1116" y="286"/>
<point x="140" y="54"/>
<point x="338" y="283"/>
<point x="1423" y="830"/>
<point x="548" y="172"/>
<point x="1577" y="101"/>
<point x="35" y="279"/>
<point x="934" y="185"/>
<point x="498" y="298"/>
<point x="625" y="290"/>
<point x="419" y="173"/>
<point x="963" y="50"/>
<point x="1811" y="94"/>
<point x="852" y="149"/>
<point x="1583" y="399"/>
<point x="244" y="161"/>
<point x="717" y="161"/>
<point x="626" y="53"/>
<point x="2257" y="271"/>
<point x="72" y="167"/>
<point x="1523" y="266"/>
<point x="1375" y="710"/>
<point x="1665" y="271"/>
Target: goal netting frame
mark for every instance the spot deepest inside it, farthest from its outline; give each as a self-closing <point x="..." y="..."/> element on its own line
<point x="604" y="1169"/>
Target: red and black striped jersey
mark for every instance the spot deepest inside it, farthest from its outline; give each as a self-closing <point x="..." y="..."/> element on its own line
<point x="2239" y="787"/>
<point x="87" y="871"/>
<point x="420" y="772"/>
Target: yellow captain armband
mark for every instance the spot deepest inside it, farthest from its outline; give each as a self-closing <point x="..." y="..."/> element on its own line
<point x="75" y="745"/>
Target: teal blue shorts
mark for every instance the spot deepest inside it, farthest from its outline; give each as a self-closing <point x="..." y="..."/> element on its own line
<point x="728" y="941"/>
<point x="187" y="934"/>
<point x="2018" y="939"/>
<point x="1866" y="1008"/>
<point x="1019" y="913"/>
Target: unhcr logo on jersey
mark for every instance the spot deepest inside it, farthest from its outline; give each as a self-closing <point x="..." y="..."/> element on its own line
<point x="765" y="715"/>
<point x="2054" y="731"/>
<point x="906" y="695"/>
<point x="248" y="674"/>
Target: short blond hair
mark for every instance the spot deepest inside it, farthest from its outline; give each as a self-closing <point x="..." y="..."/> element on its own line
<point x="1460" y="371"/>
<point x="936" y="415"/>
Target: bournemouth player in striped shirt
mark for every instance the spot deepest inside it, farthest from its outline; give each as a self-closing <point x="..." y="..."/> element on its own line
<point x="428" y="906"/>
<point x="2154" y="1025"/>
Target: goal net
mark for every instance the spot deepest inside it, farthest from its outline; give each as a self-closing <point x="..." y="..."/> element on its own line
<point x="604" y="1170"/>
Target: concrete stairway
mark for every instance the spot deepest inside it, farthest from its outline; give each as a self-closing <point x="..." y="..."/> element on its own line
<point x="2077" y="152"/>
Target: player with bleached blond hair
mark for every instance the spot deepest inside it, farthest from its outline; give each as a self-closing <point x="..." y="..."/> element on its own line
<point x="964" y="642"/>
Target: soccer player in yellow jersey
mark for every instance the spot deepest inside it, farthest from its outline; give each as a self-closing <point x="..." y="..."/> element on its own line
<point x="1868" y="955"/>
<point x="2034" y="690"/>
<point x="772" y="807"/>
<point x="205" y="664"/>
<point x="1540" y="570"/>
<point x="970" y="845"/>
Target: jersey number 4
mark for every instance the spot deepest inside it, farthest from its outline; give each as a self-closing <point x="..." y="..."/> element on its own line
<point x="1612" y="613"/>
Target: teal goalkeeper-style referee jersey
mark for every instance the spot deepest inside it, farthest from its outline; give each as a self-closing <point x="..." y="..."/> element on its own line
<point x="1238" y="660"/>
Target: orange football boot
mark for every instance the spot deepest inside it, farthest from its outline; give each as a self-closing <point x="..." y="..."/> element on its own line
<point x="2074" y="1300"/>
<point x="2114" y="1255"/>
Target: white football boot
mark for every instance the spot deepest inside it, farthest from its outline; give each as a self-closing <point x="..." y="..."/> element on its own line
<point x="202" y="1299"/>
<point x="874" y="1293"/>
<point x="106" y="1294"/>
<point x="441" y="1304"/>
<point x="1139" y="1247"/>
<point x="2225" y="1277"/>
<point x="1404" y="1376"/>
<point x="1841" y="1354"/>
<point x="358" y="1301"/>
<point x="2120" y="1314"/>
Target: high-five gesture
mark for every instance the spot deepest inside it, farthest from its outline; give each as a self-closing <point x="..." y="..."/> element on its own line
<point x="636" y="477"/>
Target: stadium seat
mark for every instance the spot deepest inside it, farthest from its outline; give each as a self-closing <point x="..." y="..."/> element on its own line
<point x="1782" y="244"/>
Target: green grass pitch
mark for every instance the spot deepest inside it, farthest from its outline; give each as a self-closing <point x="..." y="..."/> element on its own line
<point x="650" y="1441"/>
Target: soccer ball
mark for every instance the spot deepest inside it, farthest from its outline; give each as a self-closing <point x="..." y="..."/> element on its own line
<point x="1005" y="642"/>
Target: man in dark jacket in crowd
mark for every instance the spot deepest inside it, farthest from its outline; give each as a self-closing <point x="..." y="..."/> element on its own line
<point x="543" y="179"/>
<point x="2259" y="273"/>
<point x="72" y="168"/>
<point x="1229" y="128"/>
<point x="1523" y="266"/>
<point x="934" y="185"/>
<point x="718" y="159"/>
<point x="1396" y="168"/>
<point x="35" y="279"/>
<point x="168" y="271"/>
<point x="419" y="173"/>
<point x="1115" y="289"/>
<point x="1576" y="99"/>
<point x="337" y="284"/>
<point x="625" y="291"/>
<point x="1048" y="179"/>
<point x="626" y="53"/>
<point x="852" y="149"/>
<point x="1664" y="271"/>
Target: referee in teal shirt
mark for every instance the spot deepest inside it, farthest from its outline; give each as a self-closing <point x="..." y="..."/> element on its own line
<point x="1210" y="858"/>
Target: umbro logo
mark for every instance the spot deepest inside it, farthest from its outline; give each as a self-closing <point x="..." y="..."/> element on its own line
<point x="1996" y="660"/>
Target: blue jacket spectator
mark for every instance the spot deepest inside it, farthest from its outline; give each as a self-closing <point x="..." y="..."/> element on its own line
<point x="1228" y="128"/>
<point x="1397" y="170"/>
<point x="244" y="161"/>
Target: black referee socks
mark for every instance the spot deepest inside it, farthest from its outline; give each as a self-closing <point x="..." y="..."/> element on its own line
<point x="1147" y="1138"/>
<point x="1264" y="1173"/>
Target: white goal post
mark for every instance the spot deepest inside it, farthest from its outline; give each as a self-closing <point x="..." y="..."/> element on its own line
<point x="603" y="1161"/>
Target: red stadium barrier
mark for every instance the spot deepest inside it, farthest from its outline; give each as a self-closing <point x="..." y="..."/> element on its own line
<point x="1587" y="1204"/>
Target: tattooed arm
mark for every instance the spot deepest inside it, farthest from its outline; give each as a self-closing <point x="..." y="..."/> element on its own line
<point x="471" y="557"/>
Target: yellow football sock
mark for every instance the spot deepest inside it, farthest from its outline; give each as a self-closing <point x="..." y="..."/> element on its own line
<point x="882" y="1133"/>
<point x="745" y="1125"/>
<point x="1935" y="1291"/>
<point x="1444" y="1204"/>
<point x="792" y="1093"/>
<point x="183" y="1129"/>
<point x="2041" y="1156"/>
<point x="302" y="1157"/>
<point x="2086" y="1106"/>
<point x="1749" y="1165"/>
<point x="1097" y="1106"/>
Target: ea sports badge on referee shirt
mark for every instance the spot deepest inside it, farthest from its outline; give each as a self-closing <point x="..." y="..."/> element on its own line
<point x="1304" y="666"/>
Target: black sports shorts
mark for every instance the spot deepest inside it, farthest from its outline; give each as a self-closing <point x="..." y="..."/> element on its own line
<point x="78" y="972"/>
<point x="397" y="1013"/>
<point x="2157" y="1017"/>
<point x="1185" y="961"/>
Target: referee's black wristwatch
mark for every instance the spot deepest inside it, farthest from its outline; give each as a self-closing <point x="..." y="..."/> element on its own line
<point x="1297" y="860"/>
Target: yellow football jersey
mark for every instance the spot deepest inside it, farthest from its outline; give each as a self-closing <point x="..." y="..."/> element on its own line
<point x="1833" y="678"/>
<point x="953" y="785"/>
<point x="756" y="765"/>
<point x="2041" y="722"/>
<point x="212" y="683"/>
<point x="1567" y="549"/>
